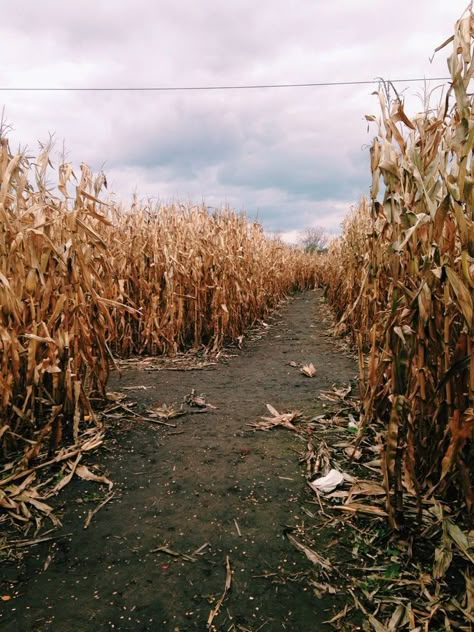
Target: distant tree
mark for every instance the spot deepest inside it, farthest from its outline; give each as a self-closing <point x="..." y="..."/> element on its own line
<point x="313" y="239"/>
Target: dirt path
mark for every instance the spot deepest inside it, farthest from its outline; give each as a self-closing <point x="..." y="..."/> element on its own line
<point x="201" y="483"/>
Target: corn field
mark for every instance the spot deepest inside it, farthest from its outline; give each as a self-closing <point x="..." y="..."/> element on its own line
<point x="83" y="281"/>
<point x="405" y="268"/>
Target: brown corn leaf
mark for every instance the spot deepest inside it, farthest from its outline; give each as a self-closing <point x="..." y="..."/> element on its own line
<point x="460" y="539"/>
<point x="84" y="472"/>
<point x="442" y="560"/>
<point x="462" y="294"/>
<point x="372" y="510"/>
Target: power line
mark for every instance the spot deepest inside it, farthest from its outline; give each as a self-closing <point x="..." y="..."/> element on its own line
<point x="319" y="84"/>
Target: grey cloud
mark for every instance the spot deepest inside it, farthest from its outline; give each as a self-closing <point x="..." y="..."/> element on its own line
<point x="295" y="156"/>
<point x="185" y="141"/>
<point x="312" y="177"/>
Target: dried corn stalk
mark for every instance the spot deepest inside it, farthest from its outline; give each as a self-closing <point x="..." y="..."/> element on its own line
<point x="405" y="267"/>
<point x="81" y="279"/>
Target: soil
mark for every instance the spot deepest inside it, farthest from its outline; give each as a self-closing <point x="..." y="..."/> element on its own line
<point x="212" y="480"/>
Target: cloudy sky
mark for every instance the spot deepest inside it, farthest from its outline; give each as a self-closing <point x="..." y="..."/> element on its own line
<point x="291" y="157"/>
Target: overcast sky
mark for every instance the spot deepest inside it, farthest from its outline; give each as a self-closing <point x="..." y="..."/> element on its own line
<point x="292" y="157"/>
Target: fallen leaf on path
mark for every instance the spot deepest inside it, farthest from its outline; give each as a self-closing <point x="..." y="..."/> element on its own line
<point x="15" y="544"/>
<point x="84" y="472"/>
<point x="3" y="430"/>
<point x="336" y="395"/>
<point x="308" y="369"/>
<point x="165" y="549"/>
<point x="342" y="392"/>
<point x="115" y="396"/>
<point x="66" y="479"/>
<point x="339" y="615"/>
<point x="278" y="419"/>
<point x="228" y="582"/>
<point x="92" y="513"/>
<point x="321" y="589"/>
<point x="133" y="414"/>
<point x="312" y="556"/>
<point x="47" y="562"/>
<point x="200" y="550"/>
<point x="396" y="618"/>
<point x="197" y="400"/>
<point x="28" y="497"/>
<point x="23" y="500"/>
<point x="165" y="412"/>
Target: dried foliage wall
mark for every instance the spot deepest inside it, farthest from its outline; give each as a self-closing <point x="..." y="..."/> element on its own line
<point x="81" y="280"/>
<point x="405" y="268"/>
<point x="197" y="278"/>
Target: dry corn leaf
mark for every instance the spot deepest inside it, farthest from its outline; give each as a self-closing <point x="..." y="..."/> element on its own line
<point x="65" y="480"/>
<point x="278" y="419"/>
<point x="308" y="370"/>
<point x="442" y="560"/>
<point x="93" y="512"/>
<point x="228" y="582"/>
<point x="367" y="488"/>
<point x="84" y="472"/>
<point x="462" y="294"/>
<point x="371" y="510"/>
<point x="321" y="588"/>
<point x="197" y="401"/>
<point x="460" y="539"/>
<point x="469" y="592"/>
<point x="312" y="555"/>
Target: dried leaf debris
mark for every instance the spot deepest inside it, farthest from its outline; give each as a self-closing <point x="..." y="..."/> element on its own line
<point x="388" y="578"/>
<point x="308" y="369"/>
<point x="23" y="492"/>
<point x="197" y="401"/>
<point x="228" y="582"/>
<point x="277" y="419"/>
<point x="401" y="281"/>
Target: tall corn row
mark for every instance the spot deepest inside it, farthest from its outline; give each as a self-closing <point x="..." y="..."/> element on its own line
<point x="80" y="280"/>
<point x="52" y="318"/>
<point x="197" y="278"/>
<point x="410" y="287"/>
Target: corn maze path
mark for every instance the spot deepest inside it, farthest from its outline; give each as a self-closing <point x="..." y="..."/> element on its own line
<point x="210" y="481"/>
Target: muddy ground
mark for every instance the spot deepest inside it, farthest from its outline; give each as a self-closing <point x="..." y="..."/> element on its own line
<point x="210" y="481"/>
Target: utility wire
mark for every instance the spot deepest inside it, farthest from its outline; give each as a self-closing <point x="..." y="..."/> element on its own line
<point x="318" y="84"/>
